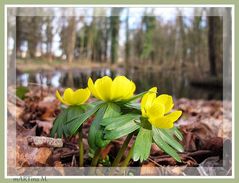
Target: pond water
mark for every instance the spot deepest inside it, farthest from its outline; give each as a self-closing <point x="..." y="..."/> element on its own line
<point x="173" y="83"/>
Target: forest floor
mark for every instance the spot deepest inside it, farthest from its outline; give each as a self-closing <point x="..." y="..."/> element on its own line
<point x="41" y="64"/>
<point x="205" y="125"/>
<point x="32" y="65"/>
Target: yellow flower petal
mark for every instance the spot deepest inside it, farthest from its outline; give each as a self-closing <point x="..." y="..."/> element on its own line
<point x="131" y="90"/>
<point x="68" y="96"/>
<point x="165" y="121"/>
<point x="103" y="87"/>
<point x="60" y="98"/>
<point x="173" y="116"/>
<point x="147" y="100"/>
<point x="155" y="111"/>
<point x="81" y="96"/>
<point x="133" y="87"/>
<point x="153" y="90"/>
<point x="91" y="87"/>
<point x="118" y="88"/>
<point x="166" y="100"/>
<point x="161" y="122"/>
<point x="121" y="89"/>
<point x="145" y="97"/>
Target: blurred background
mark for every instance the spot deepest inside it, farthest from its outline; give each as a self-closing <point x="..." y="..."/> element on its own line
<point x="179" y="50"/>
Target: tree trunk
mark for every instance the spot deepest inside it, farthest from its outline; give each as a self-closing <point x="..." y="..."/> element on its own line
<point x="114" y="24"/>
<point x="211" y="45"/>
<point x="105" y="40"/>
<point x="72" y="38"/>
<point x="127" y="46"/>
<point x="114" y="38"/>
<point x="18" y="36"/>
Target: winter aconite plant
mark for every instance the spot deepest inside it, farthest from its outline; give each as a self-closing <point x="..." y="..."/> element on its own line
<point x="74" y="100"/>
<point x="116" y="113"/>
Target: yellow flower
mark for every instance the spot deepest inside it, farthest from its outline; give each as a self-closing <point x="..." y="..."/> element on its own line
<point x="157" y="109"/>
<point x="105" y="89"/>
<point x="71" y="97"/>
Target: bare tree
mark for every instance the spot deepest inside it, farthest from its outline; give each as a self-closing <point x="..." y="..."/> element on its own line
<point x="49" y="37"/>
<point x="212" y="33"/>
<point x="71" y="32"/>
<point x="68" y="37"/>
<point x="114" y="24"/>
<point x="127" y="42"/>
<point x="34" y="35"/>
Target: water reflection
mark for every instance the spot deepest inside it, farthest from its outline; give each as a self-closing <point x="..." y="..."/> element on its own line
<point x="23" y="79"/>
<point x="41" y="79"/>
<point x="173" y="83"/>
<point x="55" y="80"/>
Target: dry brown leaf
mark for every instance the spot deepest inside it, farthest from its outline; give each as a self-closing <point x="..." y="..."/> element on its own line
<point x="214" y="144"/>
<point x="27" y="155"/>
<point x="40" y="108"/>
<point x="178" y="170"/>
<point x="22" y="148"/>
<point x="45" y="125"/>
<point x="149" y="169"/>
<point x="104" y="152"/>
<point x="42" y="154"/>
<point x="155" y="150"/>
<point x="48" y="105"/>
<point x="59" y="167"/>
<point x="15" y="111"/>
<point x="196" y="135"/>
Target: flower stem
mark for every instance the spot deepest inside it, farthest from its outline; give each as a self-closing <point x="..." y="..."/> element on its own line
<point x="96" y="158"/>
<point x="121" y="153"/>
<point x="127" y="159"/>
<point x="122" y="150"/>
<point x="81" y="148"/>
<point x="129" y="156"/>
<point x="94" y="161"/>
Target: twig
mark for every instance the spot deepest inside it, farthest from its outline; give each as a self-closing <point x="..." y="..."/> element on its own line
<point x="151" y="160"/>
<point x="44" y="141"/>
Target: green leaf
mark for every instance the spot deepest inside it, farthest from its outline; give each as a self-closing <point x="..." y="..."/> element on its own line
<point x="168" y="138"/>
<point x="75" y="123"/>
<point x="94" y="104"/>
<point x="135" y="97"/>
<point x="129" y="127"/>
<point x="116" y="122"/>
<point x="164" y="146"/>
<point x="90" y="111"/>
<point x="131" y="108"/>
<point x="177" y="133"/>
<point x="66" y="130"/>
<point x="69" y="121"/>
<point x="144" y="122"/>
<point x="135" y="106"/>
<point x="99" y="139"/>
<point x="73" y="112"/>
<point x="21" y="92"/>
<point x="112" y="110"/>
<point x="142" y="145"/>
<point x="58" y="124"/>
<point x="95" y="127"/>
